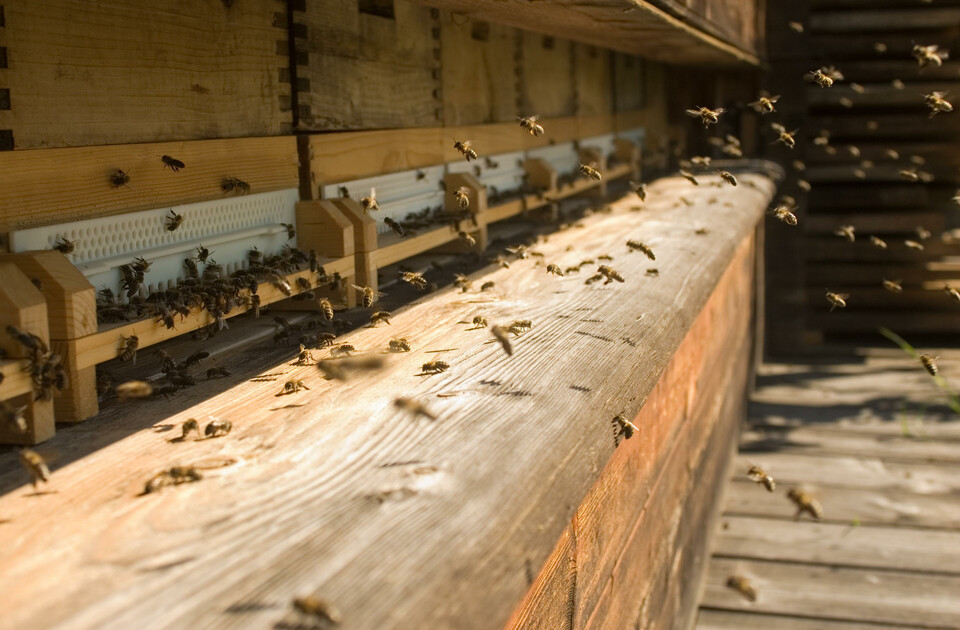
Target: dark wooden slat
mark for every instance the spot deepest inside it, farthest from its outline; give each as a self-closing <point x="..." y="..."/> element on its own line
<point x="853" y="594"/>
<point x="911" y="127"/>
<point x="876" y="297"/>
<point x="879" y="223"/>
<point x="869" y="19"/>
<point x="836" y="249"/>
<point x="876" y="95"/>
<point x="854" y="319"/>
<point x="837" y="48"/>
<point x="710" y="619"/>
<point x="900" y="66"/>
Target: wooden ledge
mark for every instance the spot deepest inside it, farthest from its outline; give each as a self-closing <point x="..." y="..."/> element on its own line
<point x="401" y="522"/>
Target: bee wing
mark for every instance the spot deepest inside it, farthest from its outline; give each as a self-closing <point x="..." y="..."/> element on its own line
<point x="693" y="112"/>
<point x="778" y="127"/>
<point x="774" y="99"/>
<point x="719" y="111"/>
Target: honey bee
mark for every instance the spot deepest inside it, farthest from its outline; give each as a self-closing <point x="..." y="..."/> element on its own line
<point x="232" y="184"/>
<point x="303" y="284"/>
<point x="805" y="502"/>
<point x="203" y="254"/>
<point x="292" y="387"/>
<point x="610" y="274"/>
<point x="784" y="214"/>
<point x="332" y="371"/>
<point x="326" y="308"/>
<point x="343" y="350"/>
<point x="837" y="300"/>
<point x="414" y="278"/>
<point x="689" y="177"/>
<point x="520" y="326"/>
<point x="400" y="344"/>
<point x="172" y="477"/>
<point x="64" y="246"/>
<point x="922" y="232"/>
<point x="291" y="230"/>
<point x="304" y="356"/>
<point x="930" y="364"/>
<point x="819" y="77"/>
<point x="368" y="295"/>
<point x="846" y="101"/>
<point x="173" y="221"/>
<point x="706" y="115"/>
<point x="879" y="48"/>
<point x="590" y="171"/>
<point x="462" y="195"/>
<point x="172" y="163"/>
<point x="465" y="149"/>
<point x="218" y="372"/>
<point x="859" y="89"/>
<point x="12" y="416"/>
<point x="893" y="286"/>
<point x="129" y="350"/>
<point x="727" y="177"/>
<point x="462" y="281"/>
<point x="531" y="125"/>
<point x="743" y="586"/>
<point x="786" y="138"/>
<point x="119" y="178"/>
<point x="190" y="426"/>
<point x="134" y="389"/>
<point x="370" y="201"/>
<point x="761" y="477"/>
<point x="937" y="103"/>
<point x="322" y="611"/>
<point x="642" y="247"/>
<point x="414" y="407"/>
<point x="847" y="232"/>
<point x="380" y="316"/>
<point x="914" y="245"/>
<point x="555" y="270"/>
<point x="909" y="174"/>
<point x="796" y="27"/>
<point x="394" y="225"/>
<point x="640" y="189"/>
<point x="434" y="367"/>
<point x="623" y="428"/>
<point x="501" y="334"/>
<point x="35" y="465"/>
<point x="932" y="54"/>
<point x="878" y="242"/>
<point x="799" y="166"/>
<point x="195" y="358"/>
<point x="897" y="84"/>
<point x="479" y="321"/>
<point x="891" y="154"/>
<point x="653" y="272"/>
<point x="952" y="292"/>
<point x="466" y="238"/>
<point x="765" y="103"/>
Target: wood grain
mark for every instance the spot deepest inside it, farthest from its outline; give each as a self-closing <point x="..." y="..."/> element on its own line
<point x="286" y="521"/>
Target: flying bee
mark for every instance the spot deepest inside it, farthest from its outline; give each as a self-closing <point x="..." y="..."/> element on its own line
<point x="937" y="103"/>
<point x="784" y="214"/>
<point x="465" y="149"/>
<point x="846" y="101"/>
<point x="291" y="230"/>
<point x="129" y="350"/>
<point x="203" y="254"/>
<point x="218" y="372"/>
<point x="394" y="225"/>
<point x="914" y="245"/>
<point x="743" y="586"/>
<point x="501" y="334"/>
<point x="343" y="350"/>
<point x="893" y="286"/>
<point x="232" y="184"/>
<point x="134" y="389"/>
<point x="479" y="321"/>
<point x="930" y="364"/>
<point x="414" y="407"/>
<point x="414" y="278"/>
<point x="467" y="239"/>
<point x="879" y="48"/>
<point x="932" y="54"/>
<point x="689" y="177"/>
<point x="837" y="300"/>
<point x="172" y="163"/>
<point x="292" y="387"/>
<point x="796" y="27"/>
<point x="765" y="103"/>
<point x="190" y="426"/>
<point x="463" y="197"/>
<point x="380" y="316"/>
<point x="12" y="416"/>
<point x="590" y="171"/>
<point x="897" y="84"/>
<point x="952" y="292"/>
<point x="878" y="242"/>
<point x="819" y="77"/>
<point x="400" y="344"/>
<point x="727" y="177"/>
<point x="761" y="477"/>
<point x="531" y="125"/>
<point x="846" y="231"/>
<point x="370" y="201"/>
<point x="909" y="174"/>
<point x="35" y="465"/>
<point x="368" y="296"/>
<point x="706" y="115"/>
<point x="642" y="247"/>
<point x="555" y="270"/>
<point x="119" y="178"/>
<point x="623" y="428"/>
<point x="63" y="245"/>
<point x="434" y="367"/>
<point x="640" y="189"/>
<point x="326" y="308"/>
<point x="610" y="274"/>
<point x="322" y="611"/>
<point x="489" y="284"/>
<point x="786" y="138"/>
<point x="805" y="502"/>
<point x="190" y="266"/>
<point x="922" y="233"/>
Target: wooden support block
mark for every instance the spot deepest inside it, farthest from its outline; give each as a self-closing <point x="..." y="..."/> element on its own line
<point x="477" y="194"/>
<point x="364" y="225"/>
<point x="322" y="227"/>
<point x="627" y="152"/>
<point x="366" y="265"/>
<point x="39" y="417"/>
<point x="72" y="313"/>
<point x="540" y="174"/>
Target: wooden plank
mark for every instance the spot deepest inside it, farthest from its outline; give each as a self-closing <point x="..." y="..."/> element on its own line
<point x="878" y="95"/>
<point x="913" y="127"/>
<point x="824" y="274"/>
<point x="897" y="65"/>
<point x="879" y="223"/>
<point x="888" y="597"/>
<point x="846" y="505"/>
<point x="840" y="47"/>
<point x="593" y="80"/>
<point x="710" y="619"/>
<point x="854" y="319"/>
<point x="835" y="545"/>
<point x="326" y="536"/>
<point x="546" y="76"/>
<point x="36" y="189"/>
<point x="644" y="29"/>
<point x="142" y="71"/>
<point x="835" y="249"/>
<point x="869" y="19"/>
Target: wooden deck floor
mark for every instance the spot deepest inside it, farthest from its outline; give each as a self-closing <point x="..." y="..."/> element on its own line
<point x="878" y="447"/>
